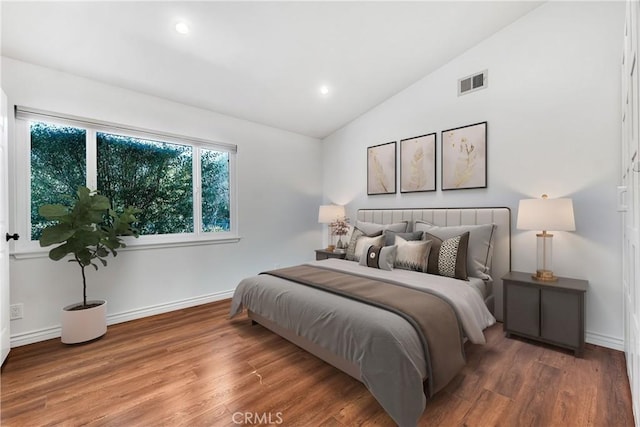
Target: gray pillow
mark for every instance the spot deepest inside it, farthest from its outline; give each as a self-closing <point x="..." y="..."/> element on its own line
<point x="480" y="244"/>
<point x="381" y="257"/>
<point x="370" y="228"/>
<point x="412" y="255"/>
<point x="390" y="236"/>
<point x="448" y="257"/>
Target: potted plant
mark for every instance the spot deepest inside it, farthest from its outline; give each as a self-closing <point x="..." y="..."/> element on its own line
<point x="340" y="228"/>
<point x="88" y="230"/>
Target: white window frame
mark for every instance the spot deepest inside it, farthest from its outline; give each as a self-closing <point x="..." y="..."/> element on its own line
<point x="27" y="248"/>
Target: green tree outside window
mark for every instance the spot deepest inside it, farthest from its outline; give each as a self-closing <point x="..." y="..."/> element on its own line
<point x="155" y="176"/>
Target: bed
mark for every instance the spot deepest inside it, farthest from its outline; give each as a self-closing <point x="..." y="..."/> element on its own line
<point x="400" y="362"/>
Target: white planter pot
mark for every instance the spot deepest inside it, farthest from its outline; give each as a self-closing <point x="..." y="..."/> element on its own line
<point x="84" y="325"/>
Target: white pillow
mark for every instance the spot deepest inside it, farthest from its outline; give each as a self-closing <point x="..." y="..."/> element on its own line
<point x="364" y="242"/>
<point x="353" y="240"/>
<point x="412" y="254"/>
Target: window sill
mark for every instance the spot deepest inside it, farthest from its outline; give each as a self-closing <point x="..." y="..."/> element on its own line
<point x="44" y="252"/>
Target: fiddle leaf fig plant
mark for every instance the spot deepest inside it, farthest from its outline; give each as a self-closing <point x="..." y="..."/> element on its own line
<point x="88" y="230"/>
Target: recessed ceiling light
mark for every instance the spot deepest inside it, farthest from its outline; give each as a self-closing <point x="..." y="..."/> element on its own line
<point x="324" y="90"/>
<point x="182" y="27"/>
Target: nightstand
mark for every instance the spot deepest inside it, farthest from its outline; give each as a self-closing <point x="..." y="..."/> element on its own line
<point x="550" y="312"/>
<point x="324" y="254"/>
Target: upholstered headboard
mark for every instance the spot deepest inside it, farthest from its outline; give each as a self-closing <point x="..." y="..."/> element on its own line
<point x="501" y="217"/>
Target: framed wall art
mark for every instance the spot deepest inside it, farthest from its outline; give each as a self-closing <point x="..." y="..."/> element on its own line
<point x="464" y="157"/>
<point x="381" y="169"/>
<point x="418" y="164"/>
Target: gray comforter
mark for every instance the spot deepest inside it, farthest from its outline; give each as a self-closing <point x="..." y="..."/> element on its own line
<point x="383" y="345"/>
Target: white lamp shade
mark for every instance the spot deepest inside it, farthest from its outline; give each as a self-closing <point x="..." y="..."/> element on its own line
<point x="546" y="215"/>
<point x="329" y="213"/>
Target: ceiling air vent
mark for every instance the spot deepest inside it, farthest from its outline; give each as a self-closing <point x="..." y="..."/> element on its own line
<point x="473" y="82"/>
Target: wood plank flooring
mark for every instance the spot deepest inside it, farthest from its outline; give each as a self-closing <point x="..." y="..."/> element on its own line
<point x="194" y="367"/>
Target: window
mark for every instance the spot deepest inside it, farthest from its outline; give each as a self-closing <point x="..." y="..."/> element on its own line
<point x="215" y="192"/>
<point x="58" y="166"/>
<point x="153" y="176"/>
<point x="184" y="187"/>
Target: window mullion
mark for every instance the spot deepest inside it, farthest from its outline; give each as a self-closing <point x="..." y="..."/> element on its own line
<point x="233" y="195"/>
<point x="22" y="167"/>
<point x="92" y="159"/>
<point x="197" y="191"/>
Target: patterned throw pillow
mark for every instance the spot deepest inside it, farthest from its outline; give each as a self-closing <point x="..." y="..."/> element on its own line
<point x="412" y="255"/>
<point x="480" y="250"/>
<point x="364" y="242"/>
<point x="448" y="257"/>
<point x="351" y="248"/>
<point x="381" y="257"/>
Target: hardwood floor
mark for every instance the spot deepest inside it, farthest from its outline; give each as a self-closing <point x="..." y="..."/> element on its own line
<point x="194" y="367"/>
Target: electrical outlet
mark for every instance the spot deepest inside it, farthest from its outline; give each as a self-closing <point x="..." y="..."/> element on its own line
<point x="16" y="311"/>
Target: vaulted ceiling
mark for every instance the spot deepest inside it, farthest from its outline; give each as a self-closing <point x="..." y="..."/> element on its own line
<point x="260" y="61"/>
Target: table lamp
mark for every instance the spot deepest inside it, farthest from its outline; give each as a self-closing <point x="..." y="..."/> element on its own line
<point x="328" y="214"/>
<point x="547" y="215"/>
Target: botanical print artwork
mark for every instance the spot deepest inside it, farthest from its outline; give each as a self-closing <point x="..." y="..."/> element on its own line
<point x="418" y="164"/>
<point x="381" y="169"/>
<point x="464" y="157"/>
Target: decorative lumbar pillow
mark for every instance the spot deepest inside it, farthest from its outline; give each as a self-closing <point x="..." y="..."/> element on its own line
<point x="448" y="257"/>
<point x="371" y="228"/>
<point x="480" y="248"/>
<point x="412" y="255"/>
<point x="364" y="242"/>
<point x="381" y="257"/>
<point x="390" y="236"/>
<point x="351" y="248"/>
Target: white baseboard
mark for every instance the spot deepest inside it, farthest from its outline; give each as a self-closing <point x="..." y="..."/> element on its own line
<point x="44" y="334"/>
<point x="138" y="313"/>
<point x="31" y="337"/>
<point x="604" y="341"/>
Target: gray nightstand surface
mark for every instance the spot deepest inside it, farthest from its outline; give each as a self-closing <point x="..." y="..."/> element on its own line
<point x="324" y="254"/>
<point x="550" y="312"/>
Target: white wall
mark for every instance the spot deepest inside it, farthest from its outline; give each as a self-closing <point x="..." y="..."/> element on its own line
<point x="279" y="183"/>
<point x="552" y="106"/>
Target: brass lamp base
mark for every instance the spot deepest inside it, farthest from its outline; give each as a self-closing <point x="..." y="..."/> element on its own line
<point x="544" y="276"/>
